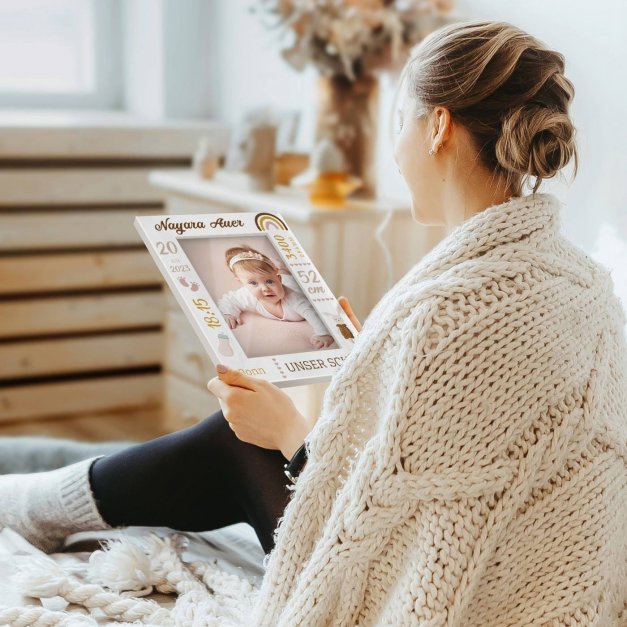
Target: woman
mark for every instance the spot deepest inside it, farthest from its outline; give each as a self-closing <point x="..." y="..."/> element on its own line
<point x="468" y="465"/>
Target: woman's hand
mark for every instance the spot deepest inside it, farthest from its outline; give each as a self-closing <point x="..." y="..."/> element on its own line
<point x="349" y="311"/>
<point x="259" y="412"/>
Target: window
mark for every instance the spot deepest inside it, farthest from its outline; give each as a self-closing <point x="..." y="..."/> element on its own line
<point x="60" y="53"/>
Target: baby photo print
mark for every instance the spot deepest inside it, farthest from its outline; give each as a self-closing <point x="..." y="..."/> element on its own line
<point x="255" y="299"/>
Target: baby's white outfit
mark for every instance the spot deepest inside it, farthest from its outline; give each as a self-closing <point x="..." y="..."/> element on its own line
<point x="295" y="306"/>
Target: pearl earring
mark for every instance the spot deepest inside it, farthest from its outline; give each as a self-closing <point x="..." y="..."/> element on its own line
<point x="430" y="151"/>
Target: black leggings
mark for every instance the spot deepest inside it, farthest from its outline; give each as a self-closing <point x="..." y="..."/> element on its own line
<point x="195" y="479"/>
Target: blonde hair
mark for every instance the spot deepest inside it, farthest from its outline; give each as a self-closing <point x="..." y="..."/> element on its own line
<point x="265" y="266"/>
<point x="506" y="88"/>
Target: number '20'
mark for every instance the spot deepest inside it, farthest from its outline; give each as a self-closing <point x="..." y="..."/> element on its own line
<point x="165" y="248"/>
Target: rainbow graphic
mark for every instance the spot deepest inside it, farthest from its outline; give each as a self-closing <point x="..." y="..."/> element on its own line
<point x="269" y="222"/>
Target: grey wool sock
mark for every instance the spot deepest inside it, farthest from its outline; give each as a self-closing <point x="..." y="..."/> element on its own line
<point x="46" y="507"/>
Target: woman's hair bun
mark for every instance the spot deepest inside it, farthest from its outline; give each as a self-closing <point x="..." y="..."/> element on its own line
<point x="535" y="140"/>
<point x="506" y="88"/>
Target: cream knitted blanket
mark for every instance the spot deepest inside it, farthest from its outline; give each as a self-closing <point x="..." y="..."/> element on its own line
<point x="469" y="466"/>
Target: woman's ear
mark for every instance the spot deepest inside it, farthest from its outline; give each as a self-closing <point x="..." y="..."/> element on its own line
<point x="442" y="124"/>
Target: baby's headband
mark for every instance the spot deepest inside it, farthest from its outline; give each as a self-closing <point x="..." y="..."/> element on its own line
<point x="249" y="254"/>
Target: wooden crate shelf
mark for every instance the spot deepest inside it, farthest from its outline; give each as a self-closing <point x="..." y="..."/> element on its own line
<point x="81" y="302"/>
<point x="73" y="271"/>
<point x="63" y="399"/>
<point x="42" y="358"/>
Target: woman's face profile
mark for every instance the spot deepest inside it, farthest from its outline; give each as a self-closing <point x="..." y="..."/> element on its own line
<point x="414" y="138"/>
<point x="426" y="175"/>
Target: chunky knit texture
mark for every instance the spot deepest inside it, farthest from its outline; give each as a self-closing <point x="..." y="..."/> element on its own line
<point x="469" y="466"/>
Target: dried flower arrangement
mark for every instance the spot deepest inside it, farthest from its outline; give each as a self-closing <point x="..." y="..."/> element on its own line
<point x="351" y="38"/>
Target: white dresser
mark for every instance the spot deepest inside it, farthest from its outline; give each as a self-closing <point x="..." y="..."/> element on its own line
<point x="343" y="244"/>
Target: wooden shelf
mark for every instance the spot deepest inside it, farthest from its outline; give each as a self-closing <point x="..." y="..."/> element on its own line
<point x="291" y="202"/>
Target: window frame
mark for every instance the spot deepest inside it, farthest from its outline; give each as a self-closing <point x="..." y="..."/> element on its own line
<point x="108" y="79"/>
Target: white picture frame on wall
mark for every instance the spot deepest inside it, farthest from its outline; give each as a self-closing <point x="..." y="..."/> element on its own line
<point x="252" y="294"/>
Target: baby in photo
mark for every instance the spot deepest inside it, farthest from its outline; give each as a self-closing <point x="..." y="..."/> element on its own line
<point x="269" y="291"/>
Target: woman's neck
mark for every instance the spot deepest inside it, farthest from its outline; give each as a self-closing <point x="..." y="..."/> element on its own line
<point x="461" y="203"/>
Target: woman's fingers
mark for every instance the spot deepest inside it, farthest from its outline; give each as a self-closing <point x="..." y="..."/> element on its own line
<point x="259" y="411"/>
<point x="219" y="388"/>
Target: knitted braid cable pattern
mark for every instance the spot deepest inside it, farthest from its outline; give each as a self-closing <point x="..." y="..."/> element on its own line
<point x="470" y="393"/>
<point x="330" y="441"/>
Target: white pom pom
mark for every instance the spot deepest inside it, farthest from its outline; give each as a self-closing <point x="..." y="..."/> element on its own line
<point x="122" y="565"/>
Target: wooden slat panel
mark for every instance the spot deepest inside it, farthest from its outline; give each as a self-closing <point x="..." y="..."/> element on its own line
<point x="184" y="354"/>
<point x="74" y="271"/>
<point x="81" y="313"/>
<point x="139" y="424"/>
<point x="70" y="229"/>
<point x="170" y="301"/>
<point x="189" y="204"/>
<point x="45" y="133"/>
<point x="186" y="403"/>
<point x="73" y="355"/>
<point x="73" y="397"/>
<point x="60" y="186"/>
<point x="308" y="398"/>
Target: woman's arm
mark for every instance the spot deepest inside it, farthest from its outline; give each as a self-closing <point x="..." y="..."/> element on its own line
<point x="300" y="426"/>
<point x="259" y="412"/>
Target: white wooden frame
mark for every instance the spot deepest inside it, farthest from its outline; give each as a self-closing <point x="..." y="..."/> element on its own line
<point x="162" y="236"/>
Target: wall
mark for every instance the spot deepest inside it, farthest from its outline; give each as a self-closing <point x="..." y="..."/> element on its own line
<point x="251" y="71"/>
<point x="590" y="35"/>
<point x="168" y="58"/>
<point x="217" y="59"/>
